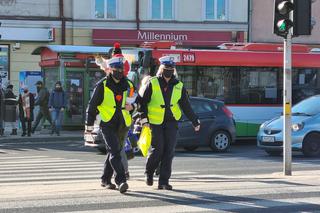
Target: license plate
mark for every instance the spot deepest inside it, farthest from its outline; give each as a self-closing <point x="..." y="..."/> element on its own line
<point x="267" y="139"/>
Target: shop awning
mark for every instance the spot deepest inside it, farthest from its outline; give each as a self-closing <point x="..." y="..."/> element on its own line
<point x="72" y="49"/>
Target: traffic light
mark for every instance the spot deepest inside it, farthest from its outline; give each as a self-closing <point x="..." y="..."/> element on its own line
<point x="302" y="17"/>
<point x="301" y="21"/>
<point x="282" y="21"/>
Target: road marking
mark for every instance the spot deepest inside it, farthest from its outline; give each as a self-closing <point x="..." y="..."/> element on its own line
<point x="22" y="157"/>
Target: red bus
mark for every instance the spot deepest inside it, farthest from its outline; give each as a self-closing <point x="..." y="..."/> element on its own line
<point x="247" y="77"/>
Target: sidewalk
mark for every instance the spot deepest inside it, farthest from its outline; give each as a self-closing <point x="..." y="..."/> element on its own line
<point x="42" y="135"/>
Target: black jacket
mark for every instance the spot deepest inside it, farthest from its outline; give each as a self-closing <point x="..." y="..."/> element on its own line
<point x="42" y="98"/>
<point x="10" y="98"/>
<point x="97" y="99"/>
<point x="167" y="89"/>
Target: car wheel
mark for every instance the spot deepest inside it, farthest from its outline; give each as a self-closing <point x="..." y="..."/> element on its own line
<point x="311" y="145"/>
<point x="273" y="152"/>
<point x="220" y="141"/>
<point x="190" y="148"/>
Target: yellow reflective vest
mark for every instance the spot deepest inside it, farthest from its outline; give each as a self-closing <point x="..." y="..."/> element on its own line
<point x="156" y="106"/>
<point x="108" y="106"/>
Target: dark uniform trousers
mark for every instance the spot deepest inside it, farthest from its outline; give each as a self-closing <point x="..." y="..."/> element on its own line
<point x="113" y="139"/>
<point x="164" y="139"/>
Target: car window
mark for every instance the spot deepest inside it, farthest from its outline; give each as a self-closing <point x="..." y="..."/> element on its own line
<point x="308" y="106"/>
<point x="201" y="106"/>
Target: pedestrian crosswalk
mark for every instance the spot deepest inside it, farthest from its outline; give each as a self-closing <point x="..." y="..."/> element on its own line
<point x="34" y="169"/>
<point x="41" y="183"/>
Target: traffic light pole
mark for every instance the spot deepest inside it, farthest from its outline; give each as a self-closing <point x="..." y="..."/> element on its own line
<point x="287" y="97"/>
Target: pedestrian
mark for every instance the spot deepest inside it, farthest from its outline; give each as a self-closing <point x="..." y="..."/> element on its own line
<point x="2" y="108"/>
<point x="42" y="101"/>
<point x="57" y="105"/>
<point x="26" y="106"/>
<point x="109" y="100"/>
<point x="10" y="116"/>
<point x="161" y="107"/>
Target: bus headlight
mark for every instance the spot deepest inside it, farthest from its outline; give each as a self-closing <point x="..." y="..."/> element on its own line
<point x="296" y="127"/>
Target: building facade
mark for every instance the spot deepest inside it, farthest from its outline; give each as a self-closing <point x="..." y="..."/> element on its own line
<point x="261" y="24"/>
<point x="25" y="25"/>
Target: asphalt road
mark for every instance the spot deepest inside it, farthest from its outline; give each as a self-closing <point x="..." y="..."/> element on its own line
<point x="63" y="176"/>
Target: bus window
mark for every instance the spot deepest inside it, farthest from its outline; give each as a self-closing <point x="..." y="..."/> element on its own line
<point x="258" y="85"/>
<point x="305" y="83"/>
<point x="203" y="81"/>
<point x="233" y="85"/>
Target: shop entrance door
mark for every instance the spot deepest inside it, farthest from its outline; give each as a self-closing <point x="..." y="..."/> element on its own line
<point x="74" y="85"/>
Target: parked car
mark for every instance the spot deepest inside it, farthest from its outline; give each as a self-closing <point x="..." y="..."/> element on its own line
<point x="305" y="130"/>
<point x="217" y="128"/>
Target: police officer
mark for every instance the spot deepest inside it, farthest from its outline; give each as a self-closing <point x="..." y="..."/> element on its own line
<point x="109" y="100"/>
<point x="160" y="107"/>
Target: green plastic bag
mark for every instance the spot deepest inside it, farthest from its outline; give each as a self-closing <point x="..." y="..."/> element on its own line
<point x="144" y="141"/>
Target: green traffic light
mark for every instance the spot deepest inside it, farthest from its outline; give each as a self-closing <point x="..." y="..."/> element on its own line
<point x="282" y="27"/>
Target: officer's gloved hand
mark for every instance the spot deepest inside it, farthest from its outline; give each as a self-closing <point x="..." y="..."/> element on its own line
<point x="197" y="126"/>
<point x="144" y="122"/>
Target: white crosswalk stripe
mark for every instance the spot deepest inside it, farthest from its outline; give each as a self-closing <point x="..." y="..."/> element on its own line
<point x="18" y="170"/>
<point x="51" y="184"/>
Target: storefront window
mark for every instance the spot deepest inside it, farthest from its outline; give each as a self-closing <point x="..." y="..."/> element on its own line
<point x="161" y="9"/>
<point x="51" y="76"/>
<point x="4" y="64"/>
<point x="105" y="9"/>
<point x="74" y="90"/>
<point x="215" y="9"/>
<point x="94" y="77"/>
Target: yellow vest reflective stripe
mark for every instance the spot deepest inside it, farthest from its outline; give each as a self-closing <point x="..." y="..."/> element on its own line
<point x="156" y="106"/>
<point x="108" y="105"/>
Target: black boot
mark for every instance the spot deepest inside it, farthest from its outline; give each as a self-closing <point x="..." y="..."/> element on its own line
<point x="123" y="187"/>
<point x="23" y="134"/>
<point x="149" y="179"/>
<point x="108" y="185"/>
<point x="1" y="132"/>
<point x="165" y="186"/>
<point x="14" y="132"/>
